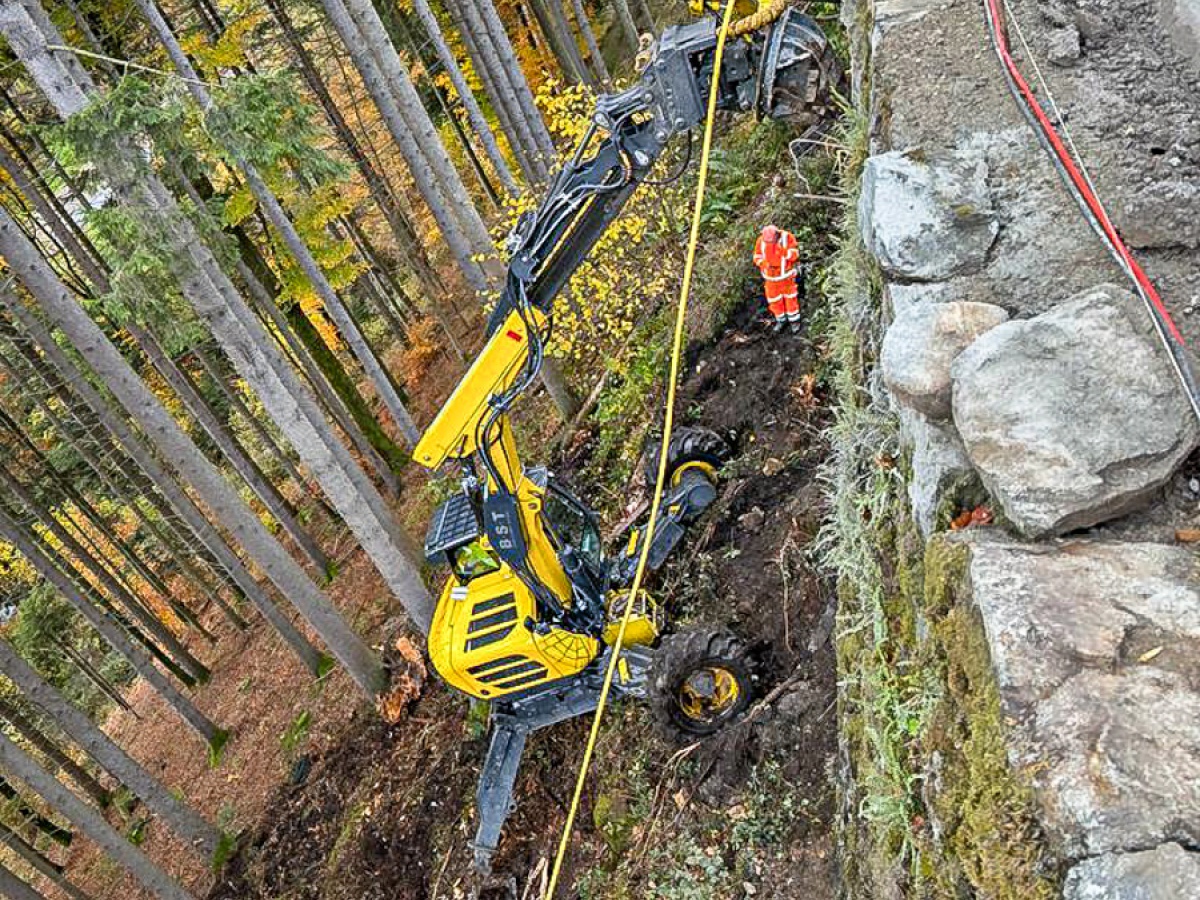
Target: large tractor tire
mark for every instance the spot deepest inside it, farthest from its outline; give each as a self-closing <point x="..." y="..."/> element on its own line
<point x="700" y="680"/>
<point x="689" y="447"/>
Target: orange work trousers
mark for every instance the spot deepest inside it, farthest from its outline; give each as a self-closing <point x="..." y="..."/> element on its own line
<point x="783" y="299"/>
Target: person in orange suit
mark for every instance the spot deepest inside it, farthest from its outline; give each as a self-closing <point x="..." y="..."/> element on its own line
<point x="777" y="256"/>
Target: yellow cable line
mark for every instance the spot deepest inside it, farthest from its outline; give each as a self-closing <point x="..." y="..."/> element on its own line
<point x="676" y="356"/>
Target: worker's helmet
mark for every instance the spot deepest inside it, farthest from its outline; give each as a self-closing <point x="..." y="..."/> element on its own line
<point x="770" y="234"/>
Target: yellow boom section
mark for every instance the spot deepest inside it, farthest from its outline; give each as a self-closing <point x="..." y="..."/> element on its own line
<point x="452" y="434"/>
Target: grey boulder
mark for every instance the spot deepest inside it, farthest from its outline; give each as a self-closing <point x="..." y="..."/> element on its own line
<point x="939" y="466"/>
<point x="926" y="218"/>
<point x="1094" y="648"/>
<point x="921" y="343"/>
<point x="1073" y="417"/>
<point x="1168" y="872"/>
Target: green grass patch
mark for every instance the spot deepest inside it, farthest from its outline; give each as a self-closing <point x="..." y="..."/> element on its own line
<point x="293" y="736"/>
<point x="226" y="847"/>
<point x="216" y="747"/>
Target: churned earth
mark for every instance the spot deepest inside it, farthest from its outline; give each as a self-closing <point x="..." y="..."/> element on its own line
<point x="386" y="811"/>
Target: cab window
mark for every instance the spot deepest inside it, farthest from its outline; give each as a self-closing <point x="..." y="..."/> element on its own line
<point x="472" y="560"/>
<point x="571" y="525"/>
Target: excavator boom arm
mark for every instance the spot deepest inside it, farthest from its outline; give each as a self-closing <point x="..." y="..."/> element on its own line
<point x="784" y="71"/>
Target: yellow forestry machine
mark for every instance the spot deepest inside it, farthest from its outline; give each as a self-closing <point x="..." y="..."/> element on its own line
<point x="527" y="619"/>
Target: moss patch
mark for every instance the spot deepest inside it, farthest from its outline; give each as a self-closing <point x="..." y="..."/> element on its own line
<point x="929" y="807"/>
<point x="990" y="836"/>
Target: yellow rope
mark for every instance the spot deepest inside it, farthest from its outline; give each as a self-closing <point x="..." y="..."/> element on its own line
<point x="765" y="16"/>
<point x="676" y="356"/>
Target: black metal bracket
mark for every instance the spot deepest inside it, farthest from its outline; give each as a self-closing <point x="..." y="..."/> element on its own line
<point x="514" y="719"/>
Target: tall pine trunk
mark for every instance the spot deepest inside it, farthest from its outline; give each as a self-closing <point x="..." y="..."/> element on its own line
<point x="112" y="633"/>
<point x="510" y="67"/>
<point x="153" y="418"/>
<point x="390" y="204"/>
<point x="628" y="25"/>
<point x="279" y="219"/>
<point x="234" y="453"/>
<point x="33" y="735"/>
<point x="589" y="38"/>
<point x="441" y="198"/>
<point x="179" y="655"/>
<point x="258" y="361"/>
<point x="558" y="35"/>
<point x="474" y="113"/>
<point x="14" y="888"/>
<point x="89" y="822"/>
<point x="180" y="817"/>
<point x="30" y="855"/>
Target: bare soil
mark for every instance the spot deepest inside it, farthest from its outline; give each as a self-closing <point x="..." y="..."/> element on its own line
<point x="387" y="811"/>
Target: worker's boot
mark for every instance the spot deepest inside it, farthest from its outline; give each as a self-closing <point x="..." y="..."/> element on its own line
<point x="777" y="326"/>
<point x="795" y="326"/>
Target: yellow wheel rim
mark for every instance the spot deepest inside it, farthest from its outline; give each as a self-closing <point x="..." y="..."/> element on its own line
<point x="709" y="693"/>
<point x="709" y="470"/>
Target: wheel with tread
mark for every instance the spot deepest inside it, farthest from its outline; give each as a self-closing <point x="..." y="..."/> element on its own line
<point x="699" y="681"/>
<point x="688" y="444"/>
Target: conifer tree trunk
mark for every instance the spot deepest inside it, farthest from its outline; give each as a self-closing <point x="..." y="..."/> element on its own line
<point x="278" y="218"/>
<point x="516" y="130"/>
<point x="89" y="822"/>
<point x="381" y="189"/>
<point x="180" y="817"/>
<point x="558" y="34"/>
<point x="324" y="371"/>
<point x="647" y="16"/>
<point x="214" y="297"/>
<point x="45" y="826"/>
<point x="384" y="85"/>
<point x="192" y="669"/>
<point x="510" y="68"/>
<point x="92" y="674"/>
<point x="143" y="401"/>
<point x="14" y="888"/>
<point x="372" y="29"/>
<point x="237" y="457"/>
<point x="44" y="745"/>
<point x="307" y="350"/>
<point x="213" y="370"/>
<point x="589" y="38"/>
<point x="474" y="113"/>
<point x="117" y="487"/>
<point x="29" y="854"/>
<point x="628" y="25"/>
<point x="113" y="634"/>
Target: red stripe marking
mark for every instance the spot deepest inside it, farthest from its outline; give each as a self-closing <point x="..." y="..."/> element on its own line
<point x="1080" y="182"/>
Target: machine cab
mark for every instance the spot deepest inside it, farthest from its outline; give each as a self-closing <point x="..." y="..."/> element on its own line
<point x="484" y="639"/>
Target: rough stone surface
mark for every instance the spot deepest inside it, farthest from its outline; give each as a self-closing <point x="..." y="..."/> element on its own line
<point x="926" y="218"/>
<point x="903" y="296"/>
<point x="920" y="345"/>
<point x="1168" y="872"/>
<point x="1063" y="46"/>
<point x="1072" y="417"/>
<point x="1096" y="650"/>
<point x="1181" y="21"/>
<point x="939" y="466"/>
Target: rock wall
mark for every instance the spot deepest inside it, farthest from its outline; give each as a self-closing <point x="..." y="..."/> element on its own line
<point x="1026" y="379"/>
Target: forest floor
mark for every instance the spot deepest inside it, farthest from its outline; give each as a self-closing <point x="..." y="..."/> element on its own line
<point x="385" y="811"/>
<point x="333" y="803"/>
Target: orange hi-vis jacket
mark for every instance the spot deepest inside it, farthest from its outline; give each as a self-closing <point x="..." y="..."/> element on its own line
<point x="778" y="263"/>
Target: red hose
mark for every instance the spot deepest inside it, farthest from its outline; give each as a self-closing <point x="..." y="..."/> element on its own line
<point x="1072" y="171"/>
